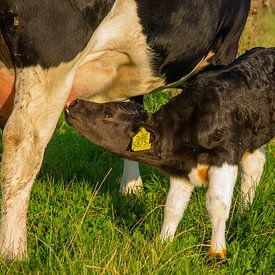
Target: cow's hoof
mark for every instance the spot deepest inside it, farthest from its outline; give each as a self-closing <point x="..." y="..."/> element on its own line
<point x="10" y="256"/>
<point x="217" y="256"/>
<point x="167" y="233"/>
<point x="166" y="239"/>
<point x="128" y="187"/>
<point x="13" y="251"/>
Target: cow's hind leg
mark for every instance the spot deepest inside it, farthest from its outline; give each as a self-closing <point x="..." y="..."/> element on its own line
<point x="131" y="182"/>
<point x="252" y="165"/>
<point x="40" y="97"/>
<point x="218" y="201"/>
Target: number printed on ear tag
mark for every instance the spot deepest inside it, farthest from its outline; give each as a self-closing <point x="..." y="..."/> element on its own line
<point x="141" y="141"/>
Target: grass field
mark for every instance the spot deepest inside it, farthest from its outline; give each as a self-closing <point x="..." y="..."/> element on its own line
<point x="78" y="223"/>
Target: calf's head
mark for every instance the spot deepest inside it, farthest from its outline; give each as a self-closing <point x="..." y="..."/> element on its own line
<point x="109" y="125"/>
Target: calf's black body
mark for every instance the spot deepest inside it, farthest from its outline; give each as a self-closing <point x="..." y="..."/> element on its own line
<point x="222" y="118"/>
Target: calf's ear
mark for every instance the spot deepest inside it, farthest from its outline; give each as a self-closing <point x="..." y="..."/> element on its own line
<point x="154" y="134"/>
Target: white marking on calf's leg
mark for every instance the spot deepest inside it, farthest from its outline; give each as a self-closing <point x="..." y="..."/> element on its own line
<point x="177" y="200"/>
<point x="39" y="100"/>
<point x="218" y="201"/>
<point x="131" y="181"/>
<point x="252" y="165"/>
<point x="198" y="176"/>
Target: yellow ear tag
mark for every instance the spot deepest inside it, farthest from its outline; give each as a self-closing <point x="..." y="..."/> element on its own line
<point x="141" y="141"/>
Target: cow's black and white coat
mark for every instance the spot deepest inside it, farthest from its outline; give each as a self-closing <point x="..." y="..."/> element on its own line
<point x="99" y="50"/>
<point x="222" y="118"/>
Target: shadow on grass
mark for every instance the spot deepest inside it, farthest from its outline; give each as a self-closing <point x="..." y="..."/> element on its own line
<point x="72" y="161"/>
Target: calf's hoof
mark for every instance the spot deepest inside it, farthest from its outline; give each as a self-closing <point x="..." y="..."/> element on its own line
<point x="217" y="256"/>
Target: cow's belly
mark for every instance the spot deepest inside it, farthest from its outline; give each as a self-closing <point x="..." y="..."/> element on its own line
<point x="119" y="62"/>
<point x="113" y="77"/>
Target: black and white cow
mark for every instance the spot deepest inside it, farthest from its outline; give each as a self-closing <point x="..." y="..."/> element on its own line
<point x="99" y="50"/>
<point x="222" y="118"/>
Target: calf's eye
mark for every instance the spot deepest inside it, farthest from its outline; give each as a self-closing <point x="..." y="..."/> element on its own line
<point x="107" y="113"/>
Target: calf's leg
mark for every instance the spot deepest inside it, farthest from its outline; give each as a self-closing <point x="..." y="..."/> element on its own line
<point x="218" y="201"/>
<point x="252" y="165"/>
<point x="177" y="200"/>
<point x="39" y="100"/>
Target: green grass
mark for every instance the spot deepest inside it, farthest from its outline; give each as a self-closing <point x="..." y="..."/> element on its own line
<point x="78" y="223"/>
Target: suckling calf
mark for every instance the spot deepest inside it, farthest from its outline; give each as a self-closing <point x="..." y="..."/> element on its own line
<point x="222" y="118"/>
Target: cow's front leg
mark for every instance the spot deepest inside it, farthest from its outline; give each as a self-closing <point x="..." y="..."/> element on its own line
<point x="131" y="182"/>
<point x="39" y="100"/>
<point x="218" y="201"/>
<point x="177" y="200"/>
